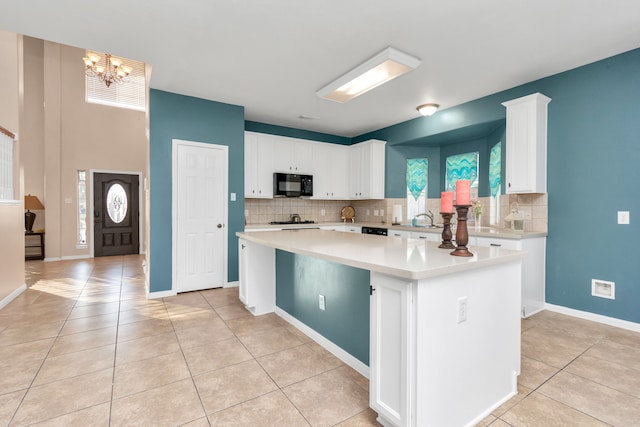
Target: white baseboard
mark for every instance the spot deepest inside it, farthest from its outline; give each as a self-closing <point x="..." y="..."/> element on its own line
<point x="328" y="345"/>
<point x="72" y="257"/>
<point x="6" y="300"/>
<point x="232" y="284"/>
<point x="612" y="321"/>
<point x="52" y="259"/>
<point x="161" y="294"/>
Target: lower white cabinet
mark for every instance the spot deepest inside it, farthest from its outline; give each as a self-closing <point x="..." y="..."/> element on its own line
<point x="390" y="337"/>
<point x="533" y="268"/>
<point x="430" y="367"/>
<point x="344" y="228"/>
<point x="398" y="233"/>
<point x="429" y="237"/>
<point x="257" y="277"/>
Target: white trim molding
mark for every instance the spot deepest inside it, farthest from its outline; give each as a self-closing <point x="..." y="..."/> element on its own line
<point x="324" y="342"/>
<point x="161" y="294"/>
<point x="232" y="284"/>
<point x="611" y="321"/>
<point x="13" y="295"/>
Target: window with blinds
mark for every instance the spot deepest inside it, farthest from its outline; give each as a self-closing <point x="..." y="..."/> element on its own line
<point x="6" y="165"/>
<point x="130" y="94"/>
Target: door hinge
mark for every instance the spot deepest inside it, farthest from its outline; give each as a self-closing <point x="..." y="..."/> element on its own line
<point x="371" y="289"/>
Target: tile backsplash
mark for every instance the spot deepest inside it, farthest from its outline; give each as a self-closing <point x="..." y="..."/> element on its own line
<point x="262" y="211"/>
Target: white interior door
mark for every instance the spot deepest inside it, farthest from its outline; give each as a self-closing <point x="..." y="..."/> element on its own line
<point x="199" y="215"/>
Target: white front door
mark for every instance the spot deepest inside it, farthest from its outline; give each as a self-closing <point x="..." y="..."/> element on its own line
<point x="199" y="215"/>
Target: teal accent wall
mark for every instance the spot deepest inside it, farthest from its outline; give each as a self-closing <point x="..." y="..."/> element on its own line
<point x="593" y="152"/>
<point x="296" y="133"/>
<point x="299" y="282"/>
<point x="175" y="116"/>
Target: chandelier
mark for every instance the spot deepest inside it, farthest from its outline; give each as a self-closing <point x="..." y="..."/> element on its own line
<point x="112" y="71"/>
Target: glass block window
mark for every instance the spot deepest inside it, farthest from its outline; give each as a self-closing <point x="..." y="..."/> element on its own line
<point x="417" y="172"/>
<point x="461" y="166"/>
<point x="82" y="208"/>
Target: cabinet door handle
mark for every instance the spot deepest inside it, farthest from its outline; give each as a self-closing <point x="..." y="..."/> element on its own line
<point x="243" y="246"/>
<point x="371" y="290"/>
<point x="219" y="225"/>
<point x="495" y="244"/>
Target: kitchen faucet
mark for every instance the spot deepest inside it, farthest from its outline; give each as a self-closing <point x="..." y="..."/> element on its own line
<point x="428" y="214"/>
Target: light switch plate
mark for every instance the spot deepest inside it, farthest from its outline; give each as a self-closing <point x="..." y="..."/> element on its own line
<point x="623" y="217"/>
<point x="233" y="197"/>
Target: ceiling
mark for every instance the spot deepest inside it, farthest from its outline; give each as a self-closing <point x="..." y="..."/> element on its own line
<point x="272" y="56"/>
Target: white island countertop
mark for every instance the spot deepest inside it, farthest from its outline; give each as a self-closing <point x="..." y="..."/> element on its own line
<point x="405" y="258"/>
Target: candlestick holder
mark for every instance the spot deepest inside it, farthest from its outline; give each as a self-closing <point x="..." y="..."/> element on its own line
<point x="462" y="234"/>
<point x="446" y="231"/>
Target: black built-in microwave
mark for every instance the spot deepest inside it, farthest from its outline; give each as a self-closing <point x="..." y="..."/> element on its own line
<point x="292" y="185"/>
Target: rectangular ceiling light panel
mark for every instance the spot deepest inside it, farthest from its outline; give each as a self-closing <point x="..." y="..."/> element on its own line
<point x="385" y="66"/>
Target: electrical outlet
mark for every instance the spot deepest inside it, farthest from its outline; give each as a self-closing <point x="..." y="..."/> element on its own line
<point x="462" y="309"/>
<point x="381" y="212"/>
<point x="623" y="217"/>
<point x="375" y="212"/>
<point x="321" y="302"/>
<point x="322" y="212"/>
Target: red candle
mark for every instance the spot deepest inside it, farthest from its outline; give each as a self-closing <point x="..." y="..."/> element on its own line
<point x="463" y="192"/>
<point x="446" y="201"/>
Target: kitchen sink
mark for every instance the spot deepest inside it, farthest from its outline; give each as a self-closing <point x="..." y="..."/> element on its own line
<point x="421" y="226"/>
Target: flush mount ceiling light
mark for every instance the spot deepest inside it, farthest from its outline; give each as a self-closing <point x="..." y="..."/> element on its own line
<point x="427" y="109"/>
<point x="385" y="66"/>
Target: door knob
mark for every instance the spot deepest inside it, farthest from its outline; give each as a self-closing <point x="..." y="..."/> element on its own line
<point x="219" y="225"/>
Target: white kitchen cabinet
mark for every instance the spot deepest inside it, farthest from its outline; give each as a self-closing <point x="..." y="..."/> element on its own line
<point x="293" y="155"/>
<point x="257" y="277"/>
<point x="429" y="237"/>
<point x="398" y="233"/>
<point x="533" y="268"/>
<point x="367" y="173"/>
<point x="258" y="165"/>
<point x="346" y="228"/>
<point x="526" y="144"/>
<point x="330" y="171"/>
<point x="392" y="346"/>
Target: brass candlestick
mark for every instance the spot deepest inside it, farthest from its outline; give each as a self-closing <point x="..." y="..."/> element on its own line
<point x="462" y="234"/>
<point x="446" y="232"/>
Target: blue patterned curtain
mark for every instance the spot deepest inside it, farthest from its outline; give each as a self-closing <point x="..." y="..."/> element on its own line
<point x="416" y="176"/>
<point x="495" y="168"/>
<point x="462" y="166"/>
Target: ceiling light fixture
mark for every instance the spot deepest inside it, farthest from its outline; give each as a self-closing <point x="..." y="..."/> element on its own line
<point x="111" y="71"/>
<point x="385" y="66"/>
<point x="427" y="109"/>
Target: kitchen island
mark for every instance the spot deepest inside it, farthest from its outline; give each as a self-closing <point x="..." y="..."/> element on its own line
<point x="444" y="331"/>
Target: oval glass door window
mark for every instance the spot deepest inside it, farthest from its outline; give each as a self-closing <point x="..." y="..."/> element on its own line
<point x="117" y="203"/>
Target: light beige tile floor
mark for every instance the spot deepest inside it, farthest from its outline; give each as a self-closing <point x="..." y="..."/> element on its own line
<point x="84" y="347"/>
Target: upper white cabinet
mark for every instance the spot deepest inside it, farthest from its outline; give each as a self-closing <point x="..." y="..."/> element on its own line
<point x="526" y="145"/>
<point x="330" y="171"/>
<point x="258" y="165"/>
<point x="367" y="170"/>
<point x="339" y="172"/>
<point x="293" y="155"/>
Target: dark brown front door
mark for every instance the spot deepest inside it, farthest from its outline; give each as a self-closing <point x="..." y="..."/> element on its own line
<point x="115" y="215"/>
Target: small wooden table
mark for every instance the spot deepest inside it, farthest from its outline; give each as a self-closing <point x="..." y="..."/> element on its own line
<point x="33" y="249"/>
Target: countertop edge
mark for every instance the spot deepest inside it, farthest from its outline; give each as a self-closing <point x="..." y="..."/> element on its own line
<point x="500" y="233"/>
<point x="471" y="264"/>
